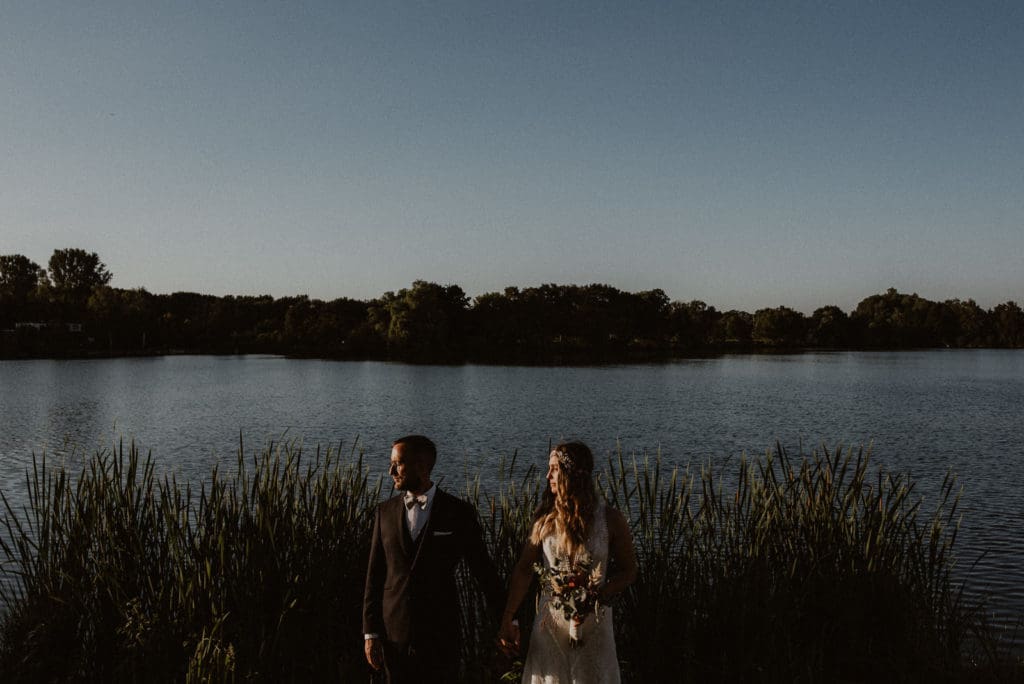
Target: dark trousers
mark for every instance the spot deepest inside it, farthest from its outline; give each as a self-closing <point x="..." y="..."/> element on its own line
<point x="405" y="664"/>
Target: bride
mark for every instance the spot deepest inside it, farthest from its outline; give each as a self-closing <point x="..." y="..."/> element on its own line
<point x="573" y="533"/>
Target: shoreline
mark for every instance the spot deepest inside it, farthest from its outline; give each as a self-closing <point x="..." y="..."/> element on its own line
<point x="585" y="360"/>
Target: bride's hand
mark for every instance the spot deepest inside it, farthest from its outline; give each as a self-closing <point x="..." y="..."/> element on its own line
<point x="508" y="636"/>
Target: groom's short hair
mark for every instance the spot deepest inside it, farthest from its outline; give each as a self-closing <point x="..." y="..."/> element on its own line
<point x="419" y="446"/>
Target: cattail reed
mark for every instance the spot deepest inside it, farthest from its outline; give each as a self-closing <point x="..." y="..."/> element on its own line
<point x="810" y="569"/>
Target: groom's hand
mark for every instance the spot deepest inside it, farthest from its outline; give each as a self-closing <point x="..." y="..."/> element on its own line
<point x="508" y="638"/>
<point x="374" y="653"/>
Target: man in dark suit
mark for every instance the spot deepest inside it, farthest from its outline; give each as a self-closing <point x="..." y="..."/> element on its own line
<point x="410" y="605"/>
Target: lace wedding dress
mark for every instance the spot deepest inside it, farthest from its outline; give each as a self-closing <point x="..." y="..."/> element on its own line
<point x="550" y="660"/>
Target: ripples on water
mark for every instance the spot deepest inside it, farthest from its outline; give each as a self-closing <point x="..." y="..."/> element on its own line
<point x="922" y="412"/>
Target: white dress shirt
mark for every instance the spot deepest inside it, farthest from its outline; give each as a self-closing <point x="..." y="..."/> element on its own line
<point x="416" y="516"/>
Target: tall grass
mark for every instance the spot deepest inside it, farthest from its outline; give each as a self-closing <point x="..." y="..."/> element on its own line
<point x="123" y="576"/>
<point x="808" y="569"/>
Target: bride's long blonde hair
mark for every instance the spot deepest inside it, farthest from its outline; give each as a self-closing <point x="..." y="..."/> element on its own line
<point x="568" y="511"/>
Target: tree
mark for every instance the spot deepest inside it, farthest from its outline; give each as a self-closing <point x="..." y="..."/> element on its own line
<point x="829" y="327"/>
<point x="692" y="325"/>
<point x="494" y="324"/>
<point x="19" y="277"/>
<point x="648" y="316"/>
<point x="75" y="273"/>
<point x="313" y="326"/>
<point x="896" y="320"/>
<point x="1008" y="324"/>
<point x="424" y="322"/>
<point x="600" y="315"/>
<point x="124" y="318"/>
<point x="734" y="327"/>
<point x="970" y="324"/>
<point x="780" y="326"/>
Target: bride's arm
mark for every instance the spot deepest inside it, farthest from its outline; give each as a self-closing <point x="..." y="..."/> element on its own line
<point x="620" y="542"/>
<point x="518" y="585"/>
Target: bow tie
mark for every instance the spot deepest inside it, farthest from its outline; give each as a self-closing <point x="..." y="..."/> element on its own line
<point x="411" y="500"/>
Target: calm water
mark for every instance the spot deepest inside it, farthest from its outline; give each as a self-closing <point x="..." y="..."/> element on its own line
<point x="922" y="412"/>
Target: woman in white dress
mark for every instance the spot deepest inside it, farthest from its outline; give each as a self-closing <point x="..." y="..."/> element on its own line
<point x="572" y="528"/>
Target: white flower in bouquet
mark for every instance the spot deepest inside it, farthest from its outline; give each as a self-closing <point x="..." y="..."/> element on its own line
<point x="574" y="591"/>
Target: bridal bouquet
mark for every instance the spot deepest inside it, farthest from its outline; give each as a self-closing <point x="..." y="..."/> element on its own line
<point x="573" y="588"/>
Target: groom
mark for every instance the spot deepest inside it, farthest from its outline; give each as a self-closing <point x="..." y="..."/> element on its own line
<point x="410" y="605"/>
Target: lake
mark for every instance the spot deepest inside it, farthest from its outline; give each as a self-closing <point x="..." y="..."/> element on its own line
<point x="920" y="412"/>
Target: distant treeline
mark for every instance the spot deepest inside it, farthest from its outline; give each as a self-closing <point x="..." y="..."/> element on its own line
<point x="69" y="309"/>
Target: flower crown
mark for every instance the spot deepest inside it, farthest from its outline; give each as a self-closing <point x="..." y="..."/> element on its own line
<point x="566" y="460"/>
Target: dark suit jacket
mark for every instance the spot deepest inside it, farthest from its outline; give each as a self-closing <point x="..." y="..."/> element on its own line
<point x="411" y="596"/>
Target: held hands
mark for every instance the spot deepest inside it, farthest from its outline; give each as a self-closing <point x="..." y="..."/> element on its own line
<point x="508" y="636"/>
<point x="374" y="653"/>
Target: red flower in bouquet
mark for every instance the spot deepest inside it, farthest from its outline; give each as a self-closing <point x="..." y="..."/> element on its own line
<point x="574" y="592"/>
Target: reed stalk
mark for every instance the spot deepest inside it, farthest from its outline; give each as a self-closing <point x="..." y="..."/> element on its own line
<point x="814" y="568"/>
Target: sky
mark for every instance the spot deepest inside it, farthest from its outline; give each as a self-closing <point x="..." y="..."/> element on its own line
<point x="747" y="154"/>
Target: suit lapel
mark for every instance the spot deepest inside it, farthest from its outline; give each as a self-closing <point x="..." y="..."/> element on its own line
<point x="403" y="529"/>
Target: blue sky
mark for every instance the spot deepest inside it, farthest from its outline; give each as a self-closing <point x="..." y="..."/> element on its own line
<point x="749" y="154"/>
